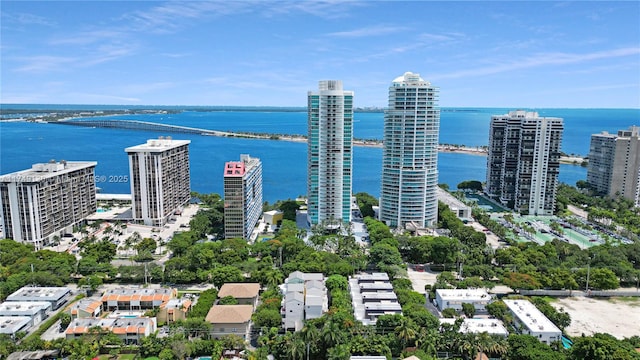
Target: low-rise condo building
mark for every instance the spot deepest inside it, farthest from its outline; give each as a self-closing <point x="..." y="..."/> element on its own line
<point x="454" y="298"/>
<point x="530" y="321"/>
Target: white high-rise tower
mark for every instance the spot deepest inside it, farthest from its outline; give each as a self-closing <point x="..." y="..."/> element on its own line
<point x="410" y="153"/>
<point x="330" y="154"/>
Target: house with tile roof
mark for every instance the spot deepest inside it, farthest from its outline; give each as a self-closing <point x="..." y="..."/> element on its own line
<point x="245" y="293"/>
<point x="230" y="320"/>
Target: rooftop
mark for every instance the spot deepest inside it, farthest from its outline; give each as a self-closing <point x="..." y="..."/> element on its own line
<point x="530" y="316"/>
<point x="23" y="307"/>
<point x="158" y="145"/>
<point x="39" y="172"/>
<point x="372" y="277"/>
<point x="239" y="290"/>
<point x="449" y="200"/>
<point x="476" y="326"/>
<point x="40" y="293"/>
<point x="229" y="314"/>
<point x="463" y="294"/>
<point x="410" y="78"/>
<point x="12" y="324"/>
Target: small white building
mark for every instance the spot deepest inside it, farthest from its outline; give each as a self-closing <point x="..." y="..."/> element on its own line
<point x="35" y="310"/>
<point x="54" y="295"/>
<point x="531" y="321"/>
<point x="460" y="209"/>
<point x="293" y="310"/>
<point x="478" y="326"/>
<point x="454" y="298"/>
<point x="10" y="325"/>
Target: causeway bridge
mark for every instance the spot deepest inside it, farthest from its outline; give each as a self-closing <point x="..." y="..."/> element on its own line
<point x="150" y="126"/>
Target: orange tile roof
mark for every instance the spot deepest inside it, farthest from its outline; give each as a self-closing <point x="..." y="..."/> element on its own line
<point x="229" y="314"/>
<point x="239" y="290"/>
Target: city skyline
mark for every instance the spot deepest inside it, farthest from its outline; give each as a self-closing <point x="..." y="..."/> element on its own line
<point x="564" y="54"/>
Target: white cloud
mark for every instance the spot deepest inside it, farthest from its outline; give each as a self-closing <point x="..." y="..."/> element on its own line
<point x="369" y="31"/>
<point x="27" y="19"/>
<point x="542" y="59"/>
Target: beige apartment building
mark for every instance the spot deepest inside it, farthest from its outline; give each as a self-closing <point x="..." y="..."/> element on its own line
<point x="614" y="164"/>
<point x="160" y="179"/>
<point x="46" y="200"/>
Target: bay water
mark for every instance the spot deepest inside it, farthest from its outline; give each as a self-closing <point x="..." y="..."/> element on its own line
<point x="284" y="163"/>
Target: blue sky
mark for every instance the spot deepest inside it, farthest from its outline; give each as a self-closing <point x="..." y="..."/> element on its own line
<point x="270" y="53"/>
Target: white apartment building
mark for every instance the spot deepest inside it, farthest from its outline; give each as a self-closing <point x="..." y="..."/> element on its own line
<point x="524" y="161"/>
<point x="46" y="200"/>
<point x="160" y="179"/>
<point x="305" y="298"/>
<point x="530" y="321"/>
<point x="330" y="154"/>
<point x="614" y="164"/>
<point x="242" y="196"/>
<point x="454" y="298"/>
<point x="479" y="325"/>
<point x="372" y="295"/>
<point x="410" y="153"/>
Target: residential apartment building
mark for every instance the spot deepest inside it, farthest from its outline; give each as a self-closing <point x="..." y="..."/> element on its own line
<point x="479" y="325"/>
<point x="56" y="296"/>
<point x="410" y="153"/>
<point x="614" y="164"/>
<point x="454" y="298"/>
<point x="523" y="161"/>
<point x="305" y="298"/>
<point x="37" y="311"/>
<point x="530" y="321"/>
<point x="125" y="298"/>
<point x="159" y="178"/>
<point x="330" y="154"/>
<point x="129" y="330"/>
<point x="372" y="295"/>
<point x="242" y="196"/>
<point x="46" y="200"/>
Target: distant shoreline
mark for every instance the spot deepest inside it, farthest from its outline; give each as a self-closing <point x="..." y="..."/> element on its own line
<point x="445" y="148"/>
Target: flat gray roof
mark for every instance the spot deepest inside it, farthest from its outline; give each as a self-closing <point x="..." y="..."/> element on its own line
<point x="26" y="308"/>
<point x="12" y="324"/>
<point x="42" y="171"/>
<point x="28" y="293"/>
<point x="376" y="286"/>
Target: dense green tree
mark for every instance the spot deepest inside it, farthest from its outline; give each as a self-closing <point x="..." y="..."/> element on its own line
<point x="366" y="203"/>
<point x="527" y="347"/>
<point x="468" y="309"/>
<point x="602" y="347"/>
<point x="474" y="185"/>
<point x="225" y="274"/>
<point x="228" y="300"/>
<point x="289" y="209"/>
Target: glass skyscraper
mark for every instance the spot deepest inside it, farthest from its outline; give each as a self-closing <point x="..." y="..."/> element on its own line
<point x="410" y="153"/>
<point x="330" y="154"/>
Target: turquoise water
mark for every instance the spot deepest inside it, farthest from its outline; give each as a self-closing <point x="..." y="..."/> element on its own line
<point x="284" y="163"/>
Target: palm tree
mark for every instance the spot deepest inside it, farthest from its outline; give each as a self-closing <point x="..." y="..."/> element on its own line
<point x="310" y="334"/>
<point x="274" y="278"/>
<point x="330" y="334"/>
<point x="406" y="332"/>
<point x="296" y="348"/>
<point x="426" y="341"/>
